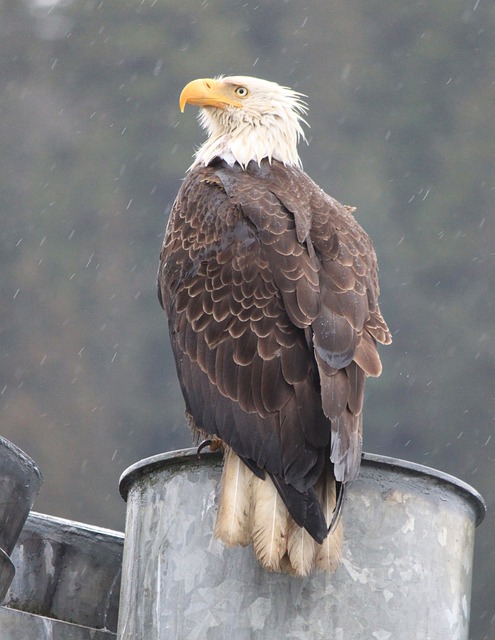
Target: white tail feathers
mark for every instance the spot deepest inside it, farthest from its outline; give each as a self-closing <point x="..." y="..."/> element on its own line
<point x="269" y="524"/>
<point x="301" y="550"/>
<point x="233" y="524"/>
<point x="251" y="510"/>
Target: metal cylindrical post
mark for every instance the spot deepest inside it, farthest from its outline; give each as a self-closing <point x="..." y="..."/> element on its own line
<point x="20" y="481"/>
<point x="67" y="571"/>
<point x="405" y="574"/>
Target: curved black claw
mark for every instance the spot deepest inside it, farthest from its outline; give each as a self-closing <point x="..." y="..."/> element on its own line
<point x="339" y="503"/>
<point x="201" y="446"/>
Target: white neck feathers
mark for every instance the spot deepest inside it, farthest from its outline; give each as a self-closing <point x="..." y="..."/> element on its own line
<point x="268" y="125"/>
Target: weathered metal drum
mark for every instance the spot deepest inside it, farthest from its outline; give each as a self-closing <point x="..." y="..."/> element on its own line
<point x="20" y="481"/>
<point x="405" y="574"/>
<point x="67" y="582"/>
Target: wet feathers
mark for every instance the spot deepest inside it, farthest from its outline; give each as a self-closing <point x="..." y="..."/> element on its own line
<point x="270" y="287"/>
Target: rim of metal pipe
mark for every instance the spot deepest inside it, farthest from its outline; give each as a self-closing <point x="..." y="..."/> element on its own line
<point x="42" y="521"/>
<point x="190" y="455"/>
<point x="22" y="456"/>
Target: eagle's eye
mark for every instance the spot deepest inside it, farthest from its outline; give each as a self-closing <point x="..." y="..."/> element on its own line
<point x="241" y="92"/>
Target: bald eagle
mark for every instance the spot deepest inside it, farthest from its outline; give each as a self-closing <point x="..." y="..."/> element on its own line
<point x="271" y="291"/>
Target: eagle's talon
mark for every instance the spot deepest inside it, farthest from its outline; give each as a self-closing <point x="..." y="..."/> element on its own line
<point x="202" y="445"/>
<point x="337" y="512"/>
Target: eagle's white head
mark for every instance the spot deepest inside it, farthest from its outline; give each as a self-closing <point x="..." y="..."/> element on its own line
<point x="247" y="119"/>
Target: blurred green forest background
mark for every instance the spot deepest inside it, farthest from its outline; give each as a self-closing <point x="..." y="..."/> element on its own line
<point x="92" y="152"/>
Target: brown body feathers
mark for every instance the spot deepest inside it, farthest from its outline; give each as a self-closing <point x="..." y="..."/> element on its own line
<point x="271" y="291"/>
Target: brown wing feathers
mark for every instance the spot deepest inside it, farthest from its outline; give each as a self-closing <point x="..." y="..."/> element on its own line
<point x="255" y="264"/>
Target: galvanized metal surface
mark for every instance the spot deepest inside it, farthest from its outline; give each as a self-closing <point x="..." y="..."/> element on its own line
<point x="405" y="574"/>
<point x="20" y="480"/>
<point x="7" y="571"/>
<point x="68" y="571"/>
<point x="18" y="625"/>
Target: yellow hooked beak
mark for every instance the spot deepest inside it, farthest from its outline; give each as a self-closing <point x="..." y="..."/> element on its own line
<point x="207" y="92"/>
